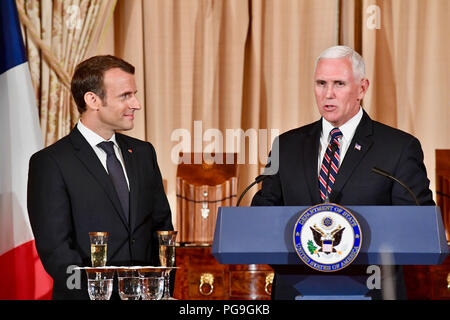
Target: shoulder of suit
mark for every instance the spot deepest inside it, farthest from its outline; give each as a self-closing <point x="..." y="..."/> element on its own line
<point x="60" y="147"/>
<point x="390" y="133"/>
<point x="305" y="130"/>
<point x="132" y="140"/>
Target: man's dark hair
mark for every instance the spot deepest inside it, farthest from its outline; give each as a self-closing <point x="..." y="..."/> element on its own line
<point x="88" y="77"/>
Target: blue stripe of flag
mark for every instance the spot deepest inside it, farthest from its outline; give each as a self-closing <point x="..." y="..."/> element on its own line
<point x="12" y="50"/>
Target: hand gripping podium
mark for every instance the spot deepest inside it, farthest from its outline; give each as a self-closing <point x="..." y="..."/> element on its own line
<point x="392" y="236"/>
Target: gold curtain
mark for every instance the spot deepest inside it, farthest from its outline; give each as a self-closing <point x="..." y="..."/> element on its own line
<point x="57" y="35"/>
<point x="230" y="64"/>
<point x="407" y="59"/>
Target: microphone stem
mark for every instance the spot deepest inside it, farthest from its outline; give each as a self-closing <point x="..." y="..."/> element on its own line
<point x="390" y="176"/>
<point x="245" y="191"/>
<point x="408" y="189"/>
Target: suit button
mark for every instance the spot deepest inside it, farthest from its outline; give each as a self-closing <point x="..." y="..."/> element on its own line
<point x="133" y="241"/>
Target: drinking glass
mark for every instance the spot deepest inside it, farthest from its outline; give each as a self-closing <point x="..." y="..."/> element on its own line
<point x="129" y="283"/>
<point x="167" y="240"/>
<point x="99" y="246"/>
<point x="100" y="282"/>
<point x="152" y="283"/>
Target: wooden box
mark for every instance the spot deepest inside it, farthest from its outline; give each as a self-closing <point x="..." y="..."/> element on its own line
<point x="201" y="189"/>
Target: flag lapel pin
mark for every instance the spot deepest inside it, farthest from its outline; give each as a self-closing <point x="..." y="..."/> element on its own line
<point x="357" y="147"/>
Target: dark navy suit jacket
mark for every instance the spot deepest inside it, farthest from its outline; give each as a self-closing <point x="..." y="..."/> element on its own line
<point x="70" y="194"/>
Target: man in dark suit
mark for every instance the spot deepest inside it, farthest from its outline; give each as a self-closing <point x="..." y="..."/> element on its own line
<point x="96" y="179"/>
<point x="302" y="178"/>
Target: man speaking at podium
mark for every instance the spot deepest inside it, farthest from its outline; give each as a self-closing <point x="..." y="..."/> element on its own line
<point x="332" y="159"/>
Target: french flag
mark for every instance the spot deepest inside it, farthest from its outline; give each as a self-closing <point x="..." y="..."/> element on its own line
<point x="22" y="275"/>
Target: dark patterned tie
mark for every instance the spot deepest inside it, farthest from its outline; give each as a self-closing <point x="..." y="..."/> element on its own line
<point x="326" y="179"/>
<point x="117" y="175"/>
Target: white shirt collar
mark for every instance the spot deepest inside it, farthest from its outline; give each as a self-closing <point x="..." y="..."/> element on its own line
<point x="93" y="138"/>
<point x="348" y="129"/>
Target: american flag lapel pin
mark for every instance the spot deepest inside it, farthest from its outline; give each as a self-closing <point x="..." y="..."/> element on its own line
<point x="357" y="147"/>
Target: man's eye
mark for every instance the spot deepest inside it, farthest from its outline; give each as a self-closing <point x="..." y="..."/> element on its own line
<point x="321" y="83"/>
<point x="340" y="83"/>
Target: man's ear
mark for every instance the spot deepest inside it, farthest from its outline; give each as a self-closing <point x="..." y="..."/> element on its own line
<point x="93" y="101"/>
<point x="363" y="88"/>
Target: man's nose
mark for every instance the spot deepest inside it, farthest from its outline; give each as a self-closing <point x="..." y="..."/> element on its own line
<point x="330" y="92"/>
<point x="135" y="104"/>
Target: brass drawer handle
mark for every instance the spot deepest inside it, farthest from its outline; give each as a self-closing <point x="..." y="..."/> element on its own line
<point x="448" y="281"/>
<point x="206" y="279"/>
<point x="269" y="281"/>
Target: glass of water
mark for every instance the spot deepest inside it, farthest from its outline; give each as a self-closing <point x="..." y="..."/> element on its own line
<point x="129" y="283"/>
<point x="100" y="282"/>
<point x="152" y="283"/>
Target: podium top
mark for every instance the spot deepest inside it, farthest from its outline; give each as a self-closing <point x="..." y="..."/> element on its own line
<point x="392" y="235"/>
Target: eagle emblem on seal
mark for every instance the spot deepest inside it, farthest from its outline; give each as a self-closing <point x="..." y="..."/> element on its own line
<point x="326" y="240"/>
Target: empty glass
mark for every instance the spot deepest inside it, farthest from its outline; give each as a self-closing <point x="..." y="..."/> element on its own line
<point x="100" y="283"/>
<point x="129" y="283"/>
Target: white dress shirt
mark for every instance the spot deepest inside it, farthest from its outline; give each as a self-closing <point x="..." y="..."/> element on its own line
<point x="94" y="139"/>
<point x="348" y="131"/>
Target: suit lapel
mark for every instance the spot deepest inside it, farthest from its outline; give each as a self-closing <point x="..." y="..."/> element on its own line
<point x="129" y="158"/>
<point x="90" y="160"/>
<point x="310" y="156"/>
<point x="354" y="155"/>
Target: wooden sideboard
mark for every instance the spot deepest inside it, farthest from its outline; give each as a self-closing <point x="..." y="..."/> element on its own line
<point x="205" y="183"/>
<point x="433" y="282"/>
<point x="201" y="277"/>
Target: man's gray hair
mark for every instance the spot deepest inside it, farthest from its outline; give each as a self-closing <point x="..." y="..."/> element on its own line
<point x="337" y="52"/>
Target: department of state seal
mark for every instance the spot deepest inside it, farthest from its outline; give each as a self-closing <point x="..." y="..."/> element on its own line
<point x="327" y="237"/>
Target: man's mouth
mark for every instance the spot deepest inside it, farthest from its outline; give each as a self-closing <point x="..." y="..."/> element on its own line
<point x="329" y="107"/>
<point x="129" y="116"/>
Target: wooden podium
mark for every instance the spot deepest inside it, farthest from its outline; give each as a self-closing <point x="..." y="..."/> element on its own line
<point x="203" y="185"/>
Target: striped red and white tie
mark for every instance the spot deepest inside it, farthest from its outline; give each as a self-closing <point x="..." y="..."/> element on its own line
<point x="327" y="178"/>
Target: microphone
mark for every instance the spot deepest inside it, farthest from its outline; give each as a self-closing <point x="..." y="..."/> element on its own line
<point x="390" y="176"/>
<point x="258" y="179"/>
<point x="334" y="147"/>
